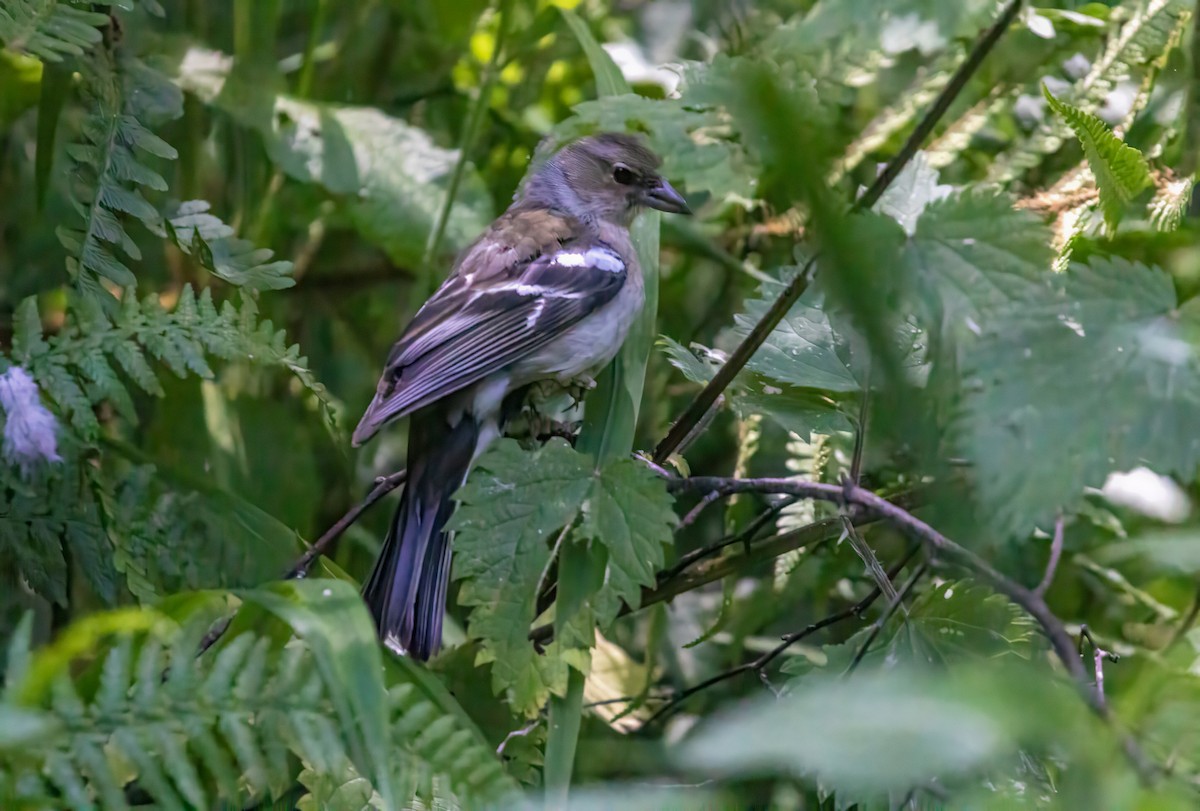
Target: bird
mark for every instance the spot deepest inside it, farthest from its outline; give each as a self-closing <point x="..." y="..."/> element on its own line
<point x="547" y="294"/>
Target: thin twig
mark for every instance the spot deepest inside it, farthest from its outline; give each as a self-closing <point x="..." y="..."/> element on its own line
<point x="1056" y="548"/>
<point x="1099" y="654"/>
<point x="743" y="536"/>
<point x="1189" y="619"/>
<point x="947" y="551"/>
<point x="787" y="640"/>
<point x="695" y="512"/>
<point x="383" y="486"/>
<point x="767" y="324"/>
<point x="517" y="733"/>
<point x="878" y="625"/>
<point x="809" y="536"/>
<point x="979" y="51"/>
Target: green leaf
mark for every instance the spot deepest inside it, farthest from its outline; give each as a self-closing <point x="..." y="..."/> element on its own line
<point x="1172" y="550"/>
<point x="628" y="512"/>
<point x="881" y="732"/>
<point x="508" y="513"/>
<point x="389" y="176"/>
<point x="970" y="253"/>
<point x="329" y="615"/>
<point x="49" y="29"/>
<point x="212" y="244"/>
<point x="803" y="349"/>
<point x="1100" y="374"/>
<point x="1120" y="170"/>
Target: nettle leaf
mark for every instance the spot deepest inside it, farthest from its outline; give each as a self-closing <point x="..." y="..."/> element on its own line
<point x="803" y="349"/>
<point x="628" y="512"/>
<point x="970" y="253"/>
<point x="961" y="620"/>
<point x="1121" y="171"/>
<point x="390" y="177"/>
<point x="212" y="243"/>
<point x="1100" y="374"/>
<point x="510" y="514"/>
<point x="794" y="408"/>
<point x="914" y="189"/>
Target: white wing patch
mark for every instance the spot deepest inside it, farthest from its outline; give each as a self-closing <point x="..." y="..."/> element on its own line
<point x="599" y="258"/>
<point x="539" y="307"/>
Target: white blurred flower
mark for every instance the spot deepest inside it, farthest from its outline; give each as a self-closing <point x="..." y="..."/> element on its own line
<point x="1147" y="492"/>
<point x="30" y="430"/>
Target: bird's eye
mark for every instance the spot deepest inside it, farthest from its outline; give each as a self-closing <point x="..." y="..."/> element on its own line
<point x="623" y="175"/>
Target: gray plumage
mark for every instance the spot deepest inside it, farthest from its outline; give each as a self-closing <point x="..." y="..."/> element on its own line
<point x="548" y="292"/>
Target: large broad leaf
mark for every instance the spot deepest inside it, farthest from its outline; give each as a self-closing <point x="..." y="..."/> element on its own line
<point x="390" y="174"/>
<point x="800" y="410"/>
<point x="803" y="349"/>
<point x="969" y="253"/>
<point x="1120" y="170"/>
<point x="1100" y="374"/>
<point x="882" y="732"/>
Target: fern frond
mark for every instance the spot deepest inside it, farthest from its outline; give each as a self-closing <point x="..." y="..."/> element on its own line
<point x="1144" y="38"/>
<point x="49" y="29"/>
<point x="109" y="172"/>
<point x="245" y="720"/>
<point x="1120" y="170"/>
<point x="212" y="243"/>
<point x="77" y="367"/>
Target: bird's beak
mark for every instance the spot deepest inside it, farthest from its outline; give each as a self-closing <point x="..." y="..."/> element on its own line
<point x="664" y="197"/>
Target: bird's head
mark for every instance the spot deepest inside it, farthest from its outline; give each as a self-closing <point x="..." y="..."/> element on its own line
<point x="610" y="176"/>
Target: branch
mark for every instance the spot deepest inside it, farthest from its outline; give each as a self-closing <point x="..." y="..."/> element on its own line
<point x="383" y="486"/>
<point x="741" y="356"/>
<point x="939" y="545"/>
<point x="809" y="536"/>
<point x="1056" y="548"/>
<point x="787" y="640"/>
<point x="879" y="624"/>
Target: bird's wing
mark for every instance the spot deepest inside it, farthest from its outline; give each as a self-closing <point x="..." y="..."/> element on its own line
<point x="510" y="296"/>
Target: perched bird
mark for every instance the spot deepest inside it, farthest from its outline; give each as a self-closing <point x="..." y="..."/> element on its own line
<point x="547" y="293"/>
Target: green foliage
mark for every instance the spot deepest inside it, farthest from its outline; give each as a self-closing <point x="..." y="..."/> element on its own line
<point x="108" y="168"/>
<point x="49" y="29"/>
<point x="233" y="721"/>
<point x="1120" y="170"/>
<point x="77" y="364"/>
<point x="996" y="396"/>
<point x="1102" y="368"/>
<point x="212" y="243"/>
<point x="389" y="176"/>
<point x="507" y="528"/>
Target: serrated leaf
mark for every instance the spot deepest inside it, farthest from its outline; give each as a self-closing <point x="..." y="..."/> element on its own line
<point x="628" y="512"/>
<point x="1120" y="170"/>
<point x="508" y="513"/>
<point x="1099" y="374"/>
<point x="803" y="349"/>
<point x="970" y="253"/>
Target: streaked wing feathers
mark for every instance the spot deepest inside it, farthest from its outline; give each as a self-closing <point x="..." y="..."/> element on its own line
<point x="485" y="318"/>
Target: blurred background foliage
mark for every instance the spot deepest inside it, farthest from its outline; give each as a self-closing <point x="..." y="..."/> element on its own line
<point x="284" y="183"/>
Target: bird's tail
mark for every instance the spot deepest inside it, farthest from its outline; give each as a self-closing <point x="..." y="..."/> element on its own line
<point x="406" y="591"/>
